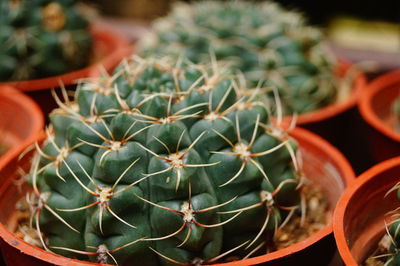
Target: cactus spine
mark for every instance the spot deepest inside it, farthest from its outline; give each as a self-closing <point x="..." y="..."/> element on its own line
<point x="163" y="162"/>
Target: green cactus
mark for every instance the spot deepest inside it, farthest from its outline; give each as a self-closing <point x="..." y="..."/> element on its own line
<point x="162" y="162"/>
<point x="396" y="112"/>
<point x="393" y="231"/>
<point x="262" y="40"/>
<point x="41" y="38"/>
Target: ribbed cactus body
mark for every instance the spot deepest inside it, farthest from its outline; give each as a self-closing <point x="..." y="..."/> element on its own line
<point x="163" y="161"/>
<point x="268" y="44"/>
<point x="393" y="254"/>
<point x="41" y="38"/>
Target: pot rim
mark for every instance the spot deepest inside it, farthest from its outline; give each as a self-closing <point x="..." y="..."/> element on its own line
<point x="343" y="204"/>
<point x="337" y="108"/>
<point x="298" y="133"/>
<point x="25" y="104"/>
<point x="117" y="43"/>
<point x="365" y="108"/>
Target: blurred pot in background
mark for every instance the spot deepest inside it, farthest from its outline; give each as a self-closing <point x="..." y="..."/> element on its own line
<point x="378" y="106"/>
<point x="137" y="9"/>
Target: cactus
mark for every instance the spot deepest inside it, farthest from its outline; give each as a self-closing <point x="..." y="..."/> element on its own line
<point x="392" y="256"/>
<point x="262" y="40"/>
<point x="396" y="112"/>
<point x="162" y="162"/>
<point x="41" y="38"/>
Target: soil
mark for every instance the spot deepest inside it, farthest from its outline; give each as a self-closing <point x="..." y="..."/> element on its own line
<point x="24" y="230"/>
<point x="315" y="219"/>
<point x="377" y="258"/>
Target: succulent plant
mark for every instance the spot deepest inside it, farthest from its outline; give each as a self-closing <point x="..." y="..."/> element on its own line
<point x="162" y="162"/>
<point x="393" y="233"/>
<point x="393" y="256"/>
<point x="41" y="38"/>
<point x="262" y="40"/>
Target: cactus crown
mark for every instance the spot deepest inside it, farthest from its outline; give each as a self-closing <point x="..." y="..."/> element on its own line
<point x="162" y="162"/>
<point x="262" y="40"/>
<point x="41" y="38"/>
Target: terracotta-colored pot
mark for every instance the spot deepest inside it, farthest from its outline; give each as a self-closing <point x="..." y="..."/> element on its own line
<point x="323" y="165"/>
<point x="21" y="120"/>
<point x="375" y="106"/>
<point x="360" y="213"/>
<point x="108" y="50"/>
<point x="137" y="9"/>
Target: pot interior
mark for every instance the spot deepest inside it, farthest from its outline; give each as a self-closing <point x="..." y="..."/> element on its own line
<point x="366" y="213"/>
<point x="15" y="121"/>
<point x="382" y="102"/>
<point x="322" y="171"/>
<point x="103" y="45"/>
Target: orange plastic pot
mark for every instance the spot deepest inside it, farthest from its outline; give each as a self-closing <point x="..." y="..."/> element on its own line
<point x="109" y="48"/>
<point x="360" y="213"/>
<point x="375" y="107"/>
<point x="21" y="121"/>
<point x="323" y="165"/>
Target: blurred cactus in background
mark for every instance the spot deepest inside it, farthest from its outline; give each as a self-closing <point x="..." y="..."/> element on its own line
<point x="41" y="38"/>
<point x="268" y="44"/>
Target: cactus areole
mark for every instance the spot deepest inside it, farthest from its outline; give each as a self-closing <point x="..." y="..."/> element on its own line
<point x="41" y="38"/>
<point x="162" y="162"/>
